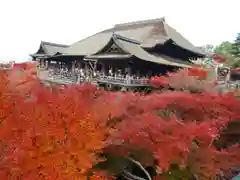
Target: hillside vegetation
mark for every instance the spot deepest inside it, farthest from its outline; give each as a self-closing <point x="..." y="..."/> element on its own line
<point x="78" y="132"/>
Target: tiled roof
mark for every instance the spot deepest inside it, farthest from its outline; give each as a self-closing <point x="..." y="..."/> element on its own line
<point x="149" y="33"/>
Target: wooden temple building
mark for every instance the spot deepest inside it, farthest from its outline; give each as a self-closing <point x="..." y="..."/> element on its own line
<point x="124" y="55"/>
<point x="47" y="50"/>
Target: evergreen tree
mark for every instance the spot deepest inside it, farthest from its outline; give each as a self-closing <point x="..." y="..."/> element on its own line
<point x="236" y="47"/>
<point x="231" y="51"/>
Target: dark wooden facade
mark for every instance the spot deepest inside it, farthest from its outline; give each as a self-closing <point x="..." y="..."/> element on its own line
<point x="143" y="48"/>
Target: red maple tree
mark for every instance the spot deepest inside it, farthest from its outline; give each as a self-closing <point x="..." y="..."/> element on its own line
<point x="48" y="133"/>
<point x="180" y="128"/>
<point x="58" y="133"/>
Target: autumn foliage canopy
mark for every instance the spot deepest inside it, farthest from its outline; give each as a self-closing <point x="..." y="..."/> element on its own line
<point x="79" y="133"/>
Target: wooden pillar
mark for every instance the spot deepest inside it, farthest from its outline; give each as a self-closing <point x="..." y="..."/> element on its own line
<point x="43" y="62"/>
<point x="103" y="70"/>
<point x="40" y="63"/>
<point x="130" y="68"/>
<point x="73" y="65"/>
<point x="48" y="63"/>
<point x="57" y="64"/>
<point x="80" y="64"/>
<point x="85" y="66"/>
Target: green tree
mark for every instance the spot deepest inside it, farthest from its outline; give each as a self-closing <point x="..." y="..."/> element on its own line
<point x="231" y="51"/>
<point x="236" y="47"/>
<point x="225" y="48"/>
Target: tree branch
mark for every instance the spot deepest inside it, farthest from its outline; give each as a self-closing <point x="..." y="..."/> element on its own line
<point x="141" y="167"/>
<point x="131" y="176"/>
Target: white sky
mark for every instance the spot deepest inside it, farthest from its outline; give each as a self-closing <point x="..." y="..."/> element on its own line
<point x="24" y="23"/>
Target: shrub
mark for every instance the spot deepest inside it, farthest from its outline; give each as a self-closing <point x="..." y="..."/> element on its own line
<point x="78" y="131"/>
<point x="48" y="134"/>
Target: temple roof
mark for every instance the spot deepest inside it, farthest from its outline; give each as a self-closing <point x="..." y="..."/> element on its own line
<point x="49" y="49"/>
<point x="149" y="33"/>
<point x="133" y="48"/>
<point x="136" y="50"/>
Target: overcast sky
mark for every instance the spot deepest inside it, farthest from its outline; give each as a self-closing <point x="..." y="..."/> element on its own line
<point x="24" y="23"/>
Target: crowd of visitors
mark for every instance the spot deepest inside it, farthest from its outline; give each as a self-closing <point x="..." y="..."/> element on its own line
<point x="80" y="75"/>
<point x="6" y="65"/>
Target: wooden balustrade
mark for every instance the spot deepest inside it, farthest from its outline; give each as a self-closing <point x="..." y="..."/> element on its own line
<point x="122" y="81"/>
<point x="58" y="77"/>
<point x="72" y="77"/>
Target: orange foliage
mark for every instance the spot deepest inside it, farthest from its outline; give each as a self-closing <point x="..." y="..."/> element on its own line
<point x="100" y="175"/>
<point x="54" y="133"/>
<point x="179" y="127"/>
<point x="190" y="79"/>
<point x="48" y="135"/>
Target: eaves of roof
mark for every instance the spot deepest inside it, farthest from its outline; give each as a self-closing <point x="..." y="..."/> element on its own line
<point x="136" y="50"/>
<point x="141" y="31"/>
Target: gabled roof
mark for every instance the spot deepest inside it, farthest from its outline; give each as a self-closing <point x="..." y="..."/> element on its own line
<point x="149" y="33"/>
<point x="47" y="48"/>
<point x="135" y="49"/>
<point x="180" y="40"/>
<point x="90" y="45"/>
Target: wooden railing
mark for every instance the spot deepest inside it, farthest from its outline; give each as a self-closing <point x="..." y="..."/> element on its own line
<point x="72" y="78"/>
<point x="57" y="77"/>
<point x="122" y="81"/>
<point x="64" y="76"/>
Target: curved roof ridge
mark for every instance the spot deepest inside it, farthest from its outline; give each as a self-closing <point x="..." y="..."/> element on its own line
<point x="117" y="36"/>
<point x="87" y="46"/>
<point x="104" y="46"/>
<point x="53" y="44"/>
<point x="180" y="40"/>
<point x="106" y="30"/>
<point x="50" y="48"/>
<point x="135" y="25"/>
<point x="148" y="32"/>
<point x="137" y="51"/>
<point x="141" y="22"/>
<point x="114" y="38"/>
